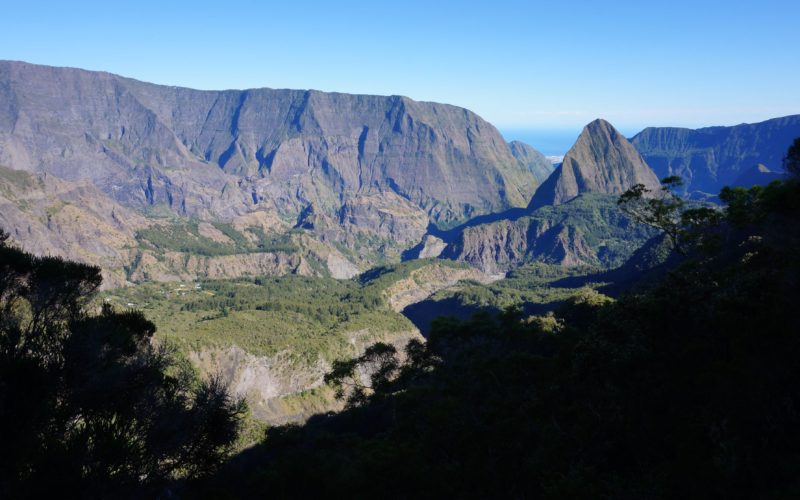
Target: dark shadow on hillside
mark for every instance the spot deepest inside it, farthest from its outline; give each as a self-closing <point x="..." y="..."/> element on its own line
<point x="617" y="281"/>
<point x="583" y="280"/>
<point x="423" y="313"/>
<point x="413" y="252"/>
<point x="449" y="235"/>
<point x="374" y="273"/>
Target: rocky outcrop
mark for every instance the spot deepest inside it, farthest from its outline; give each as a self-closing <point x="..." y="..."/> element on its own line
<point x="588" y="230"/>
<point x="501" y="246"/>
<point x="431" y="247"/>
<point x="496" y="247"/>
<point x="50" y="216"/>
<point x="281" y="389"/>
<point x="708" y="159"/>
<point x="601" y="161"/>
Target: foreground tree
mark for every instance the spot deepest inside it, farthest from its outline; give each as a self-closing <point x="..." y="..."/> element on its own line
<point x="684" y="226"/>
<point x="792" y="160"/>
<point x="89" y="405"/>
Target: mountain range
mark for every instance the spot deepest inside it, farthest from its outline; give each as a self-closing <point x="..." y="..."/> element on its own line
<point x="710" y="158"/>
<point x="157" y="183"/>
<point x="366" y="174"/>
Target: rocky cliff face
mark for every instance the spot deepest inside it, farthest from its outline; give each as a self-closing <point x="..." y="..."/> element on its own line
<point x="573" y="218"/>
<point x="280" y="390"/>
<point x="588" y="230"/>
<point x="51" y="216"/>
<point x="601" y="161"/>
<point x="710" y="158"/>
<point x="220" y="153"/>
<point x="364" y="173"/>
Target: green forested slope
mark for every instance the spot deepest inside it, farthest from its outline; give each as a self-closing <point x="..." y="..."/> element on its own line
<point x="687" y="389"/>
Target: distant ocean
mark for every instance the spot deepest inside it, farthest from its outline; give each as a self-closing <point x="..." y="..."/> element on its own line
<point x="547" y="142"/>
<point x="555" y="142"/>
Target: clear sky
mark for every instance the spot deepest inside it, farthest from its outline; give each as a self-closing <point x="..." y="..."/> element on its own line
<point x="520" y="64"/>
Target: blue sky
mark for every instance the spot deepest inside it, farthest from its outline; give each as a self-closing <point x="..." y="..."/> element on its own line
<point x="528" y="65"/>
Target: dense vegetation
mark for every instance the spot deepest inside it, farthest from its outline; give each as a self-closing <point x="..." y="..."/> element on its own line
<point x="89" y="407"/>
<point x="686" y="389"/>
<point x="535" y="288"/>
<point x="186" y="237"/>
<point x="608" y="231"/>
<point x="306" y="317"/>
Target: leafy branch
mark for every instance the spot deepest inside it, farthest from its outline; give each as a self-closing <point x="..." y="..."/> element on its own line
<point x="667" y="212"/>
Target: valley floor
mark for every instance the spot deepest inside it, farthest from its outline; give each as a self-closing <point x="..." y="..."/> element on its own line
<point x="272" y="339"/>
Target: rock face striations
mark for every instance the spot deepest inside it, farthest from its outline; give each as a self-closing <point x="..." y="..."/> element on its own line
<point x="205" y="153"/>
<point x="367" y="174"/>
<point x="710" y="158"/>
<point x="601" y="161"/>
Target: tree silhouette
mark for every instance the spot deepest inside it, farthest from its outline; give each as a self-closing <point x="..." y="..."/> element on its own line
<point x="668" y="212"/>
<point x="90" y="406"/>
<point x="792" y="160"/>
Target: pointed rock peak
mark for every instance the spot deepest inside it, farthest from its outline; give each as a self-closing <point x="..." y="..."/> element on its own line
<point x="599" y="124"/>
<point x="600" y="129"/>
<point x="601" y="161"/>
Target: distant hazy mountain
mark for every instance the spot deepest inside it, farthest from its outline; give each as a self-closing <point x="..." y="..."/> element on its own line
<point x="709" y="158"/>
<point x="537" y="163"/>
<point x="601" y="161"/>
<point x="366" y="172"/>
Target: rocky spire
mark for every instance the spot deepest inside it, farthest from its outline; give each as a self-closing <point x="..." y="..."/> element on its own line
<point x="601" y="161"/>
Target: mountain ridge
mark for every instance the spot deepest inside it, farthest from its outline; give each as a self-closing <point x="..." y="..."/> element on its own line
<point x="710" y="158"/>
<point x="346" y="142"/>
<point x="364" y="174"/>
